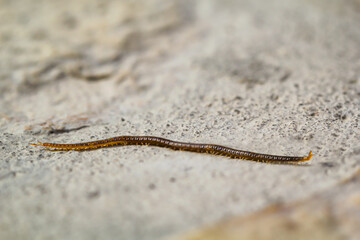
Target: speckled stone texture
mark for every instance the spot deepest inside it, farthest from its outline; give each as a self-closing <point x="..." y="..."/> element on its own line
<point x="278" y="77"/>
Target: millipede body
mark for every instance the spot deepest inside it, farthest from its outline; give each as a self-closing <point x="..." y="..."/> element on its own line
<point x="174" y="145"/>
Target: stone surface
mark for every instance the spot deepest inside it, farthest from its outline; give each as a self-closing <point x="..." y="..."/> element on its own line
<point x="332" y="214"/>
<point x="278" y="77"/>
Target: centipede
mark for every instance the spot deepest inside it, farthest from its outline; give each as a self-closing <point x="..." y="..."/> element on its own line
<point x="213" y="149"/>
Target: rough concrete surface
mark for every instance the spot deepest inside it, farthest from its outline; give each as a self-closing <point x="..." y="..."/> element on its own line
<point x="332" y="214"/>
<point x="277" y="76"/>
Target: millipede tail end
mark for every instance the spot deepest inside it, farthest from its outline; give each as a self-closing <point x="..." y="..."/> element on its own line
<point x="37" y="144"/>
<point x="308" y="157"/>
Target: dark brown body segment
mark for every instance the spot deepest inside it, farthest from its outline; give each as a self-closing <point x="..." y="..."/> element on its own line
<point x="163" y="142"/>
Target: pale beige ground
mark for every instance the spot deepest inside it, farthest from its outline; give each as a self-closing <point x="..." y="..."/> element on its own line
<point x="279" y="77"/>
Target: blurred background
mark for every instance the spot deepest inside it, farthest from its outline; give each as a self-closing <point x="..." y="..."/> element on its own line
<point x="279" y="77"/>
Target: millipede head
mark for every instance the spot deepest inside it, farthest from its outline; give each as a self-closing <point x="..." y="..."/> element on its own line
<point x="308" y="157"/>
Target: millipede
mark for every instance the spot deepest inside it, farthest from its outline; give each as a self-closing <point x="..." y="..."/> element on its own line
<point x="174" y="145"/>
